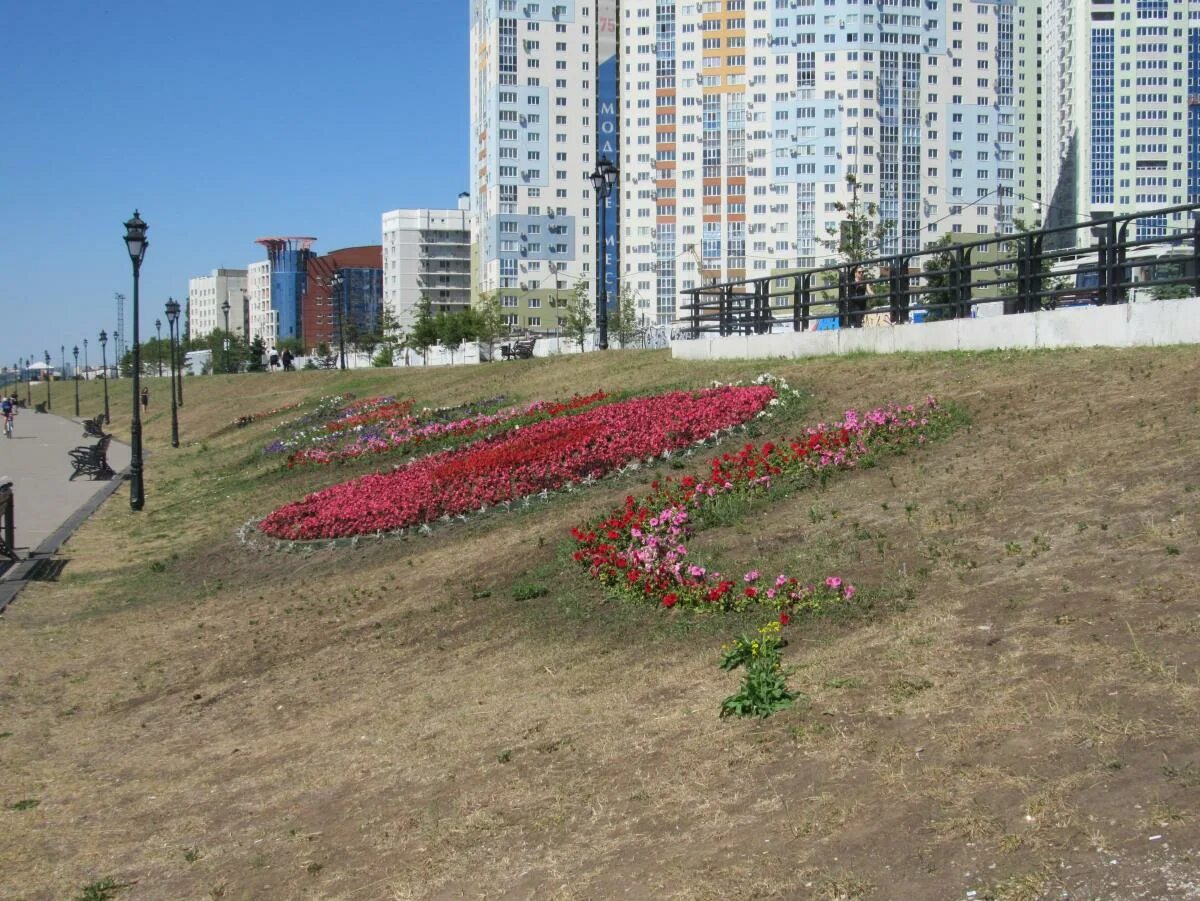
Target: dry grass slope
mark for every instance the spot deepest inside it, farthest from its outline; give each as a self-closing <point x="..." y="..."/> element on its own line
<point x="1016" y="716"/>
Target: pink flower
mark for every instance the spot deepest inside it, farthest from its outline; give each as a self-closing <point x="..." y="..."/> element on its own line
<point x="833" y="582"/>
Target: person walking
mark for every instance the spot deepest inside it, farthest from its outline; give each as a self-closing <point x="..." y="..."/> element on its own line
<point x="286" y="359"/>
<point x="145" y="399"/>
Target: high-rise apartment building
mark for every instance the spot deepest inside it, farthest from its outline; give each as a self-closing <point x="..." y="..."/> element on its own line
<point x="207" y="294"/>
<point x="1121" y="131"/>
<point x="743" y="130"/>
<point x="426" y="253"/>
<point x="264" y="322"/>
<point x="534" y="124"/>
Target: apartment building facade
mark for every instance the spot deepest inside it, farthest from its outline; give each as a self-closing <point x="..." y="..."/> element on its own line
<point x="207" y="294"/>
<point x="264" y="321"/>
<point x="534" y="107"/>
<point x="742" y="130"/>
<point x="1122" y="88"/>
<point x="426" y="253"/>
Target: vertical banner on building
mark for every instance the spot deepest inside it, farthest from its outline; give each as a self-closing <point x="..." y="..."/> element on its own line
<point x="608" y="139"/>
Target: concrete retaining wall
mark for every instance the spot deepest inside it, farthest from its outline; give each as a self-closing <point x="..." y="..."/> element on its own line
<point x="1127" y="325"/>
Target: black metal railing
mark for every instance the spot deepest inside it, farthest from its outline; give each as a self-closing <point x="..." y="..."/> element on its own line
<point x="1024" y="272"/>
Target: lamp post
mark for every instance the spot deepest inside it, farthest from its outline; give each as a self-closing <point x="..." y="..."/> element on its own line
<point x="76" y="373"/>
<point x="158" y="344"/>
<point x="225" y="310"/>
<point x="603" y="177"/>
<point x="85" y="362"/>
<point x="104" y="365"/>
<point x="335" y="286"/>
<point x="62" y="348"/>
<point x="172" y="317"/>
<point x="28" y="382"/>
<point x="136" y="243"/>
<point x="46" y="374"/>
<point x="116" y="336"/>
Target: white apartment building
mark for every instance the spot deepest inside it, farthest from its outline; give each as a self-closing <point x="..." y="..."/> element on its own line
<point x="533" y="127"/>
<point x="207" y="294"/>
<point x="264" y="322"/>
<point x="1122" y="134"/>
<point x="426" y="253"/>
<point x="738" y="125"/>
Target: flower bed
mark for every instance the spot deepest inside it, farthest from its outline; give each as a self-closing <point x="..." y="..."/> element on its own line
<point x="640" y="549"/>
<point x="546" y="455"/>
<point x="430" y="425"/>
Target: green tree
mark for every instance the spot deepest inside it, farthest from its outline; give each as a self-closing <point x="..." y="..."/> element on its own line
<point x="257" y="351"/>
<point x="577" y="312"/>
<point x="385" y="355"/>
<point x="623" y="323"/>
<point x="937" y="278"/>
<point x="424" y="333"/>
<point x="860" y="235"/>
<point x="489" y="320"/>
<point x="453" y="329"/>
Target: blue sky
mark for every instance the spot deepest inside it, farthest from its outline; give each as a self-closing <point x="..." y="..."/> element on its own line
<point x="222" y="122"/>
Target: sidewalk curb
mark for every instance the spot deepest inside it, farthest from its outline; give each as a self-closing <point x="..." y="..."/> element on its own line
<point x="17" y="576"/>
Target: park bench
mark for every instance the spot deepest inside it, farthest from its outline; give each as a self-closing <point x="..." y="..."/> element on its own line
<point x="91" y="459"/>
<point x="92" y="427"/>
<point x="39" y="407"/>
<point x="521" y="349"/>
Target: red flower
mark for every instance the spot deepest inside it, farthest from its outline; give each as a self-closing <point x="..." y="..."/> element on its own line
<point x="784" y="619"/>
<point x="669" y="600"/>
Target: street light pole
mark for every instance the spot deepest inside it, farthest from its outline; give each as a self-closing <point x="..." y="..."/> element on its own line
<point x="136" y="243"/>
<point x="172" y="317"/>
<point x="46" y="374"/>
<point x="335" y="285"/>
<point x="225" y="310"/>
<point x="85" y="362"/>
<point x="158" y="344"/>
<point x="76" y="374"/>
<point x="116" y="354"/>
<point x="104" y="365"/>
<point x="604" y="177"/>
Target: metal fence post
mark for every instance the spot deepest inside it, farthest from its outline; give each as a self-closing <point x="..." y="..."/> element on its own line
<point x="1196" y="255"/>
<point x="762" y="307"/>
<point x="1034" y="279"/>
<point x="843" y="297"/>
<point x="898" y="290"/>
<point x="726" y="310"/>
<point x="695" y="317"/>
<point x="1117" y="255"/>
<point x="1111" y="271"/>
<point x="960" y="282"/>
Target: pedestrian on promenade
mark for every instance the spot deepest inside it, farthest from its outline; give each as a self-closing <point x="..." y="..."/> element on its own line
<point x="287" y="359"/>
<point x="145" y="399"/>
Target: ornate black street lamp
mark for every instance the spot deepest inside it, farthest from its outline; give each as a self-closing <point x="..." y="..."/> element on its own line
<point x="136" y="243"/>
<point x="172" y="317"/>
<point x="158" y="344"/>
<point x="104" y="365"/>
<point x="116" y="336"/>
<point x="46" y="375"/>
<point x="63" y="350"/>
<point x="225" y="310"/>
<point x="76" y="374"/>
<point x="85" y="362"/>
<point x="604" y="177"/>
<point x="335" y="286"/>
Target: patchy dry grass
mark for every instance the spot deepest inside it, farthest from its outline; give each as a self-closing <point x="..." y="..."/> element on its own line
<point x="466" y="715"/>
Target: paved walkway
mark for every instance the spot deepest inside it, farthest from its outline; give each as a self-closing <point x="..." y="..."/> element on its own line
<point x="35" y="460"/>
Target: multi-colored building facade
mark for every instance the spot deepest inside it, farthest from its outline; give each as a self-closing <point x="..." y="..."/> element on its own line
<point x="743" y="131"/>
